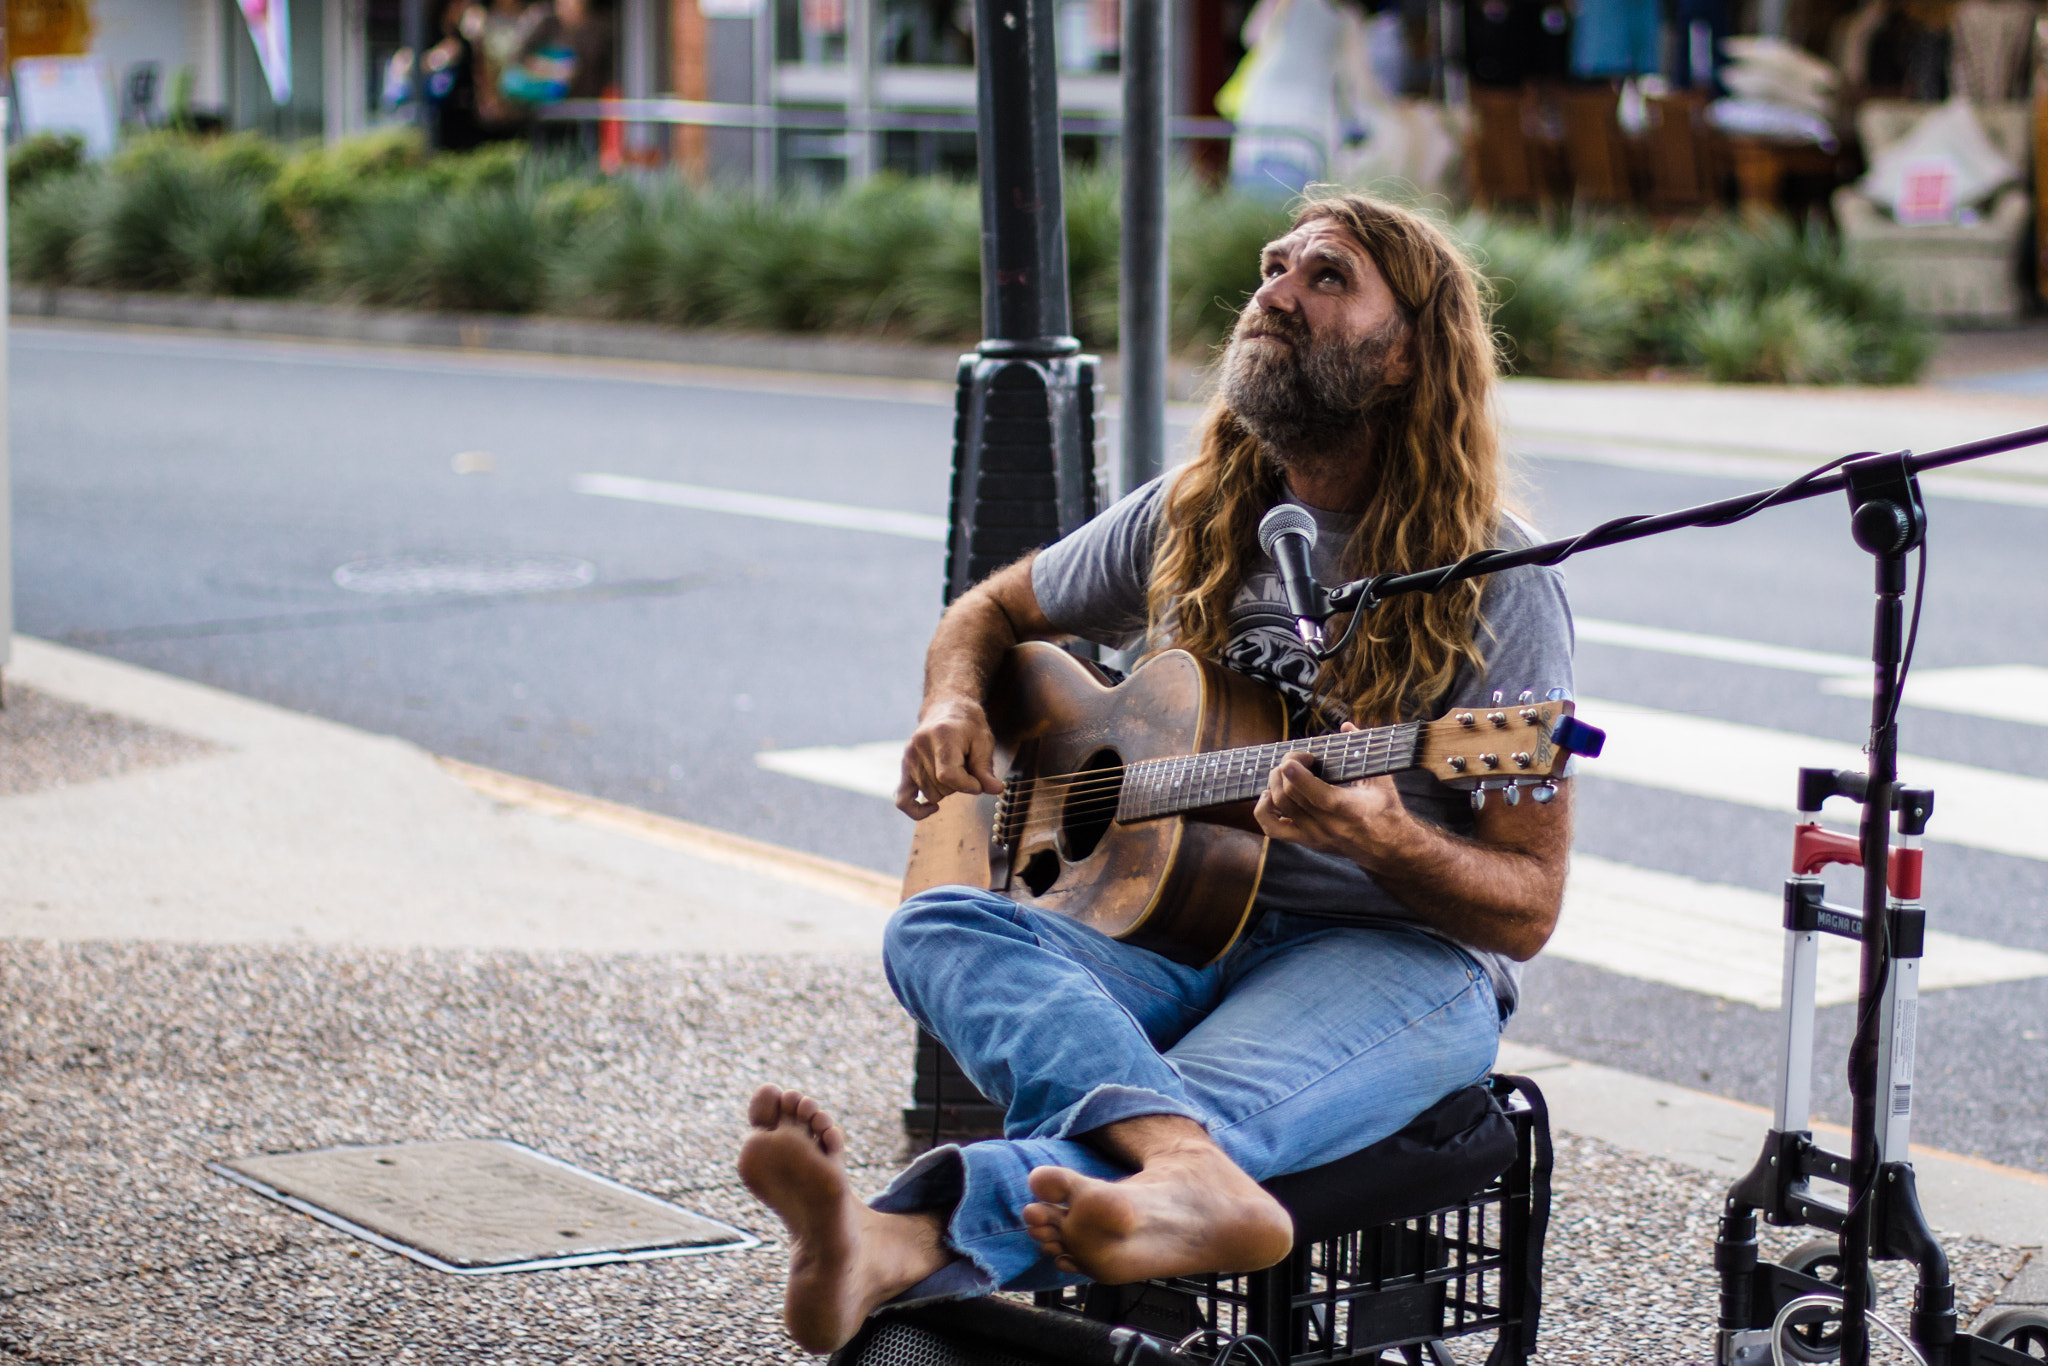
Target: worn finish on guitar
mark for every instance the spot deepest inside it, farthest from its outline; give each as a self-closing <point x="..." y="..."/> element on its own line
<point x="1181" y="884"/>
<point x="1129" y="808"/>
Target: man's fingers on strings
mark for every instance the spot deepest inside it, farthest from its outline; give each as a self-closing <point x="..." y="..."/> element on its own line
<point x="981" y="762"/>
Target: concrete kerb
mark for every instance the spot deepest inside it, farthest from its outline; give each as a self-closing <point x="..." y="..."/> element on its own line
<point x="300" y="320"/>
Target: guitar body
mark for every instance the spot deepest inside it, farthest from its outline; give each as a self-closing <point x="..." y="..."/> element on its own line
<point x="1181" y="885"/>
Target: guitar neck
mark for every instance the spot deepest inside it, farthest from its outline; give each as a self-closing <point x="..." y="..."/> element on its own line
<point x="1188" y="782"/>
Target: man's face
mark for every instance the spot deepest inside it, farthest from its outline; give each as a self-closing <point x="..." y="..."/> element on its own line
<point x="1319" y="348"/>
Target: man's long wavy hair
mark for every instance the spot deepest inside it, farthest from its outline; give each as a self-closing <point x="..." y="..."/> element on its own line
<point x="1438" y="495"/>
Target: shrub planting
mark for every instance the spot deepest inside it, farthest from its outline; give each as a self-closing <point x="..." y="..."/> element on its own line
<point x="377" y="220"/>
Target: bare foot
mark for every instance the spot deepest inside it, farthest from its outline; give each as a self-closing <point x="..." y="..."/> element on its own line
<point x="844" y="1258"/>
<point x="1188" y="1211"/>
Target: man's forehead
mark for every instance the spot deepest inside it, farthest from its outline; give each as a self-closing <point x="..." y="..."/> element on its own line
<point x="1324" y="238"/>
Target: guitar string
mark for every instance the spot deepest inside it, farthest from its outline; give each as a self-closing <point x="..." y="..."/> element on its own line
<point x="1381" y="752"/>
<point x="1346" y="744"/>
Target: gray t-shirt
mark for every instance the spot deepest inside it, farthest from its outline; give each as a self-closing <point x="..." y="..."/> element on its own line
<point x="1092" y="584"/>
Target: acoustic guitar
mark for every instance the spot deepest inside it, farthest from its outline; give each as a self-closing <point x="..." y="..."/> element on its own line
<point x="1129" y="806"/>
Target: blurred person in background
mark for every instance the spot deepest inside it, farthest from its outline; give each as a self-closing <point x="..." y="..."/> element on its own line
<point x="567" y="56"/>
<point x="504" y="28"/>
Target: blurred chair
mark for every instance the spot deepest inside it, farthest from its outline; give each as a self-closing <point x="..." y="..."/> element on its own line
<point x="1514" y="155"/>
<point x="1688" y="165"/>
<point x="1595" y="149"/>
<point x="1969" y="270"/>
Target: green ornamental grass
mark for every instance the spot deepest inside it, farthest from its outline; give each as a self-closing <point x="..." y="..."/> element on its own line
<point x="377" y="220"/>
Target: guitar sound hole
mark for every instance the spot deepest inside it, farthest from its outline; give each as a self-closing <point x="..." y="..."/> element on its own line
<point x="1041" y="871"/>
<point x="1090" y="804"/>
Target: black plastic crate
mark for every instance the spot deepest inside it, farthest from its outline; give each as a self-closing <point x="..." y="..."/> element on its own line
<point x="1463" y="1269"/>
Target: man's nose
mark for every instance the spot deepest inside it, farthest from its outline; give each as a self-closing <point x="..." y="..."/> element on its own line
<point x="1276" y="295"/>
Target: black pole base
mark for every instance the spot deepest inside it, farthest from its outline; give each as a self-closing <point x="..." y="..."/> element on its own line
<point x="1024" y="454"/>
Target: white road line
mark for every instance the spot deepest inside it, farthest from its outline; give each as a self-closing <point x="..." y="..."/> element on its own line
<point x="1977" y="807"/>
<point x="872" y="770"/>
<point x="1729" y="941"/>
<point x="1765" y="470"/>
<point x="915" y="525"/>
<point x="1719" y="647"/>
<point x="2004" y="692"/>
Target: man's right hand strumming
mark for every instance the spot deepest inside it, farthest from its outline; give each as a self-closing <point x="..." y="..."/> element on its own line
<point x="953" y="749"/>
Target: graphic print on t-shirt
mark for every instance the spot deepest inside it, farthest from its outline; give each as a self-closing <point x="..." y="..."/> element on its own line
<point x="1264" y="645"/>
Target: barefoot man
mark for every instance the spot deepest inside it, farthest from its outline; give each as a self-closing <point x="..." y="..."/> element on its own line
<point x="1146" y="1099"/>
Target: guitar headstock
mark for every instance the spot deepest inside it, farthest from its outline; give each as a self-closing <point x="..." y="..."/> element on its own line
<point x="1496" y="745"/>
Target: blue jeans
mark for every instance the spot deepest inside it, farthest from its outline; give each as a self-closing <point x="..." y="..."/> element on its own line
<point x="1309" y="1040"/>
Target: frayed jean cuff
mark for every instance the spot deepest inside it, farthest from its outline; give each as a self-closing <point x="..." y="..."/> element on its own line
<point x="935" y="1183"/>
<point x="1109" y="1103"/>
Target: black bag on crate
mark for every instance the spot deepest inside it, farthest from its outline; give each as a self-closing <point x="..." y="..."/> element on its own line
<point x="999" y="1332"/>
<point x="1434" y="1232"/>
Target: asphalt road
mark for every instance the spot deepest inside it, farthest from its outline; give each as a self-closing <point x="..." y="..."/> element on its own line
<point x="185" y="504"/>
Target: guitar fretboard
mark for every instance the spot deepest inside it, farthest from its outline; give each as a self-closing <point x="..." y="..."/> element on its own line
<point x="1162" y="787"/>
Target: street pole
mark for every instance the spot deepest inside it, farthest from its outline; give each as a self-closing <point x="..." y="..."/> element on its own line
<point x="1024" y="424"/>
<point x="1141" y="304"/>
<point x="1024" y="449"/>
<point x="764" y="97"/>
<point x="860" y="103"/>
<point x="6" y="476"/>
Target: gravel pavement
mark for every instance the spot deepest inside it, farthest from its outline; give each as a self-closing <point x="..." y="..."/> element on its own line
<point x="129" y="1066"/>
<point x="134" y="1050"/>
<point x="49" y="742"/>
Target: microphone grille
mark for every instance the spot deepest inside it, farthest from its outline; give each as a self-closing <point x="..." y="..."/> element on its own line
<point x="1286" y="519"/>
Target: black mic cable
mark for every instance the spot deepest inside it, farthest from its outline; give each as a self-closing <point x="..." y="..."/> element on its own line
<point x="1287" y="534"/>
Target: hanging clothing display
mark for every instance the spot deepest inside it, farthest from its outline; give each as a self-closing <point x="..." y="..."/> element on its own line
<point x="1617" y="38"/>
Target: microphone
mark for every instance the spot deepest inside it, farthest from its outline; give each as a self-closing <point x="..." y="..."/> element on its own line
<point x="1287" y="534"/>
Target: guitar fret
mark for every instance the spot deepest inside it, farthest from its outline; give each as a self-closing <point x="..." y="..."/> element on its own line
<point x="1186" y="782"/>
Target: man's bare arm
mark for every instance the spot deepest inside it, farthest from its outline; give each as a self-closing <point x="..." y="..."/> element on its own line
<point x="953" y="749"/>
<point x="1498" y="890"/>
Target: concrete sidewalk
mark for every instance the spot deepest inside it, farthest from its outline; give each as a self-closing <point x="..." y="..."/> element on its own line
<point x="291" y="934"/>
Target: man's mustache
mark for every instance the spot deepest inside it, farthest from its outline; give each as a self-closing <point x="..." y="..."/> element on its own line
<point x="1285" y="326"/>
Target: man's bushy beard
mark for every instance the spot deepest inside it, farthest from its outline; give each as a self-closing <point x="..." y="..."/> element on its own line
<point x="1311" y="402"/>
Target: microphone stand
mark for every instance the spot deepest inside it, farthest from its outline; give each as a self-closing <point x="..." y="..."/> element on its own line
<point x="1883" y="1219"/>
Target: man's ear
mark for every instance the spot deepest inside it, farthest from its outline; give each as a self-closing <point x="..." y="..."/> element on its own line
<point x="1400" y="365"/>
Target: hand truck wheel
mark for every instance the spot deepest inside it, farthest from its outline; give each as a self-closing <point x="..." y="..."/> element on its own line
<point x="1819" y="1340"/>
<point x="2019" y="1330"/>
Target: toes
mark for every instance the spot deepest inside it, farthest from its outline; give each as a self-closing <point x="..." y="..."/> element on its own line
<point x="1053" y="1185"/>
<point x="765" y="1107"/>
<point x="791" y="1102"/>
<point x="833" y="1140"/>
<point x="806" y="1110"/>
<point x="819" y="1121"/>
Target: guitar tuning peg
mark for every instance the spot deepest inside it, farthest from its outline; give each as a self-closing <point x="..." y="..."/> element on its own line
<point x="1528" y="696"/>
<point x="1514" y="796"/>
<point x="1541" y="793"/>
<point x="1556" y="695"/>
<point x="1478" y="799"/>
<point x="1498" y="697"/>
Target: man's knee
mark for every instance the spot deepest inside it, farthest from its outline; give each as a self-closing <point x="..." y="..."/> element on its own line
<point x="928" y="921"/>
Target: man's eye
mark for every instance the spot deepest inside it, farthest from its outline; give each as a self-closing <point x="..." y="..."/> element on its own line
<point x="1330" y="277"/>
<point x="1273" y="268"/>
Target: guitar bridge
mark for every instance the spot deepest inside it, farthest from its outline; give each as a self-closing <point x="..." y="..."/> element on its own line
<point x="1002" y="841"/>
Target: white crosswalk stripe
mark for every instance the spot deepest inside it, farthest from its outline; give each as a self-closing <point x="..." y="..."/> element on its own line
<point x="1728" y="941"/>
<point x="1712" y="938"/>
<point x="1730" y="762"/>
<point x="2004" y="692"/>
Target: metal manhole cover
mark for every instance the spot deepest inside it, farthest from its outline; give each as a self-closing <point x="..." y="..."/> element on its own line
<point x="426" y="575"/>
<point x="480" y="1205"/>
